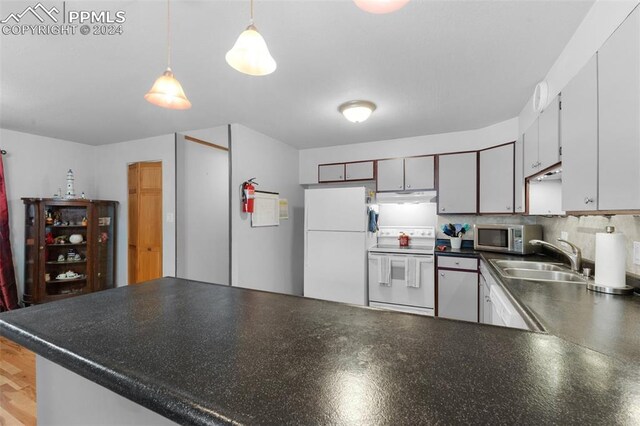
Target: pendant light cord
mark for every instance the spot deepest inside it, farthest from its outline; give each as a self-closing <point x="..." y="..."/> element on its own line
<point x="168" y="33"/>
<point x="251" y="12"/>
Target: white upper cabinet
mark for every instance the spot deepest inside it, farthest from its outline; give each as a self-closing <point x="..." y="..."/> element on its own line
<point x="580" y="140"/>
<point x="531" y="164"/>
<point x="330" y="172"/>
<point x="361" y="170"/>
<point x="419" y="173"/>
<point x="549" y="135"/>
<point x="542" y="140"/>
<point x="457" y="183"/>
<point x="496" y="179"/>
<point x="519" y="188"/>
<point x="619" y="111"/>
<point x="390" y="175"/>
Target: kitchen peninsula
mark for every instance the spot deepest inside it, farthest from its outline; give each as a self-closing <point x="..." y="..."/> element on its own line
<point x="198" y="353"/>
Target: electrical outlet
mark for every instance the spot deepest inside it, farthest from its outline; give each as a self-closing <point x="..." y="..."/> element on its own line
<point x="636" y="253"/>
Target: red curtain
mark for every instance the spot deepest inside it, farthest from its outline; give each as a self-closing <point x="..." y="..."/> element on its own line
<point x="8" y="286"/>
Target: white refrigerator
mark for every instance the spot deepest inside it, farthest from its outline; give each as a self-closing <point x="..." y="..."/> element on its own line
<point x="336" y="240"/>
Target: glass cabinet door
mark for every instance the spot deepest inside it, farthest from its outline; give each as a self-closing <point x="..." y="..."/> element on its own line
<point x="105" y="256"/>
<point x="66" y="269"/>
<point x="31" y="249"/>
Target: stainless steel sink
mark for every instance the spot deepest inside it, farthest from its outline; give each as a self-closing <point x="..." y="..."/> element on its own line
<point x="522" y="264"/>
<point x="542" y="275"/>
<point x="537" y="271"/>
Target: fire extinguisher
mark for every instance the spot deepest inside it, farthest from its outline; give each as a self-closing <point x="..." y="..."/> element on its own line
<point x="248" y="195"/>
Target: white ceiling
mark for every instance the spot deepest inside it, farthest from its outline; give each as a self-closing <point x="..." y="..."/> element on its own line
<point x="432" y="67"/>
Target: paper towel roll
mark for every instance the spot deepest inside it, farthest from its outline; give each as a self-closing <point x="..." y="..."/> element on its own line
<point x="610" y="259"/>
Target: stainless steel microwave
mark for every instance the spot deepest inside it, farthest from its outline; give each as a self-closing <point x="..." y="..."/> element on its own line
<point x="506" y="238"/>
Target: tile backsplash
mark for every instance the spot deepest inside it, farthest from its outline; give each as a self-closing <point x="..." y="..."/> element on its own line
<point x="581" y="230"/>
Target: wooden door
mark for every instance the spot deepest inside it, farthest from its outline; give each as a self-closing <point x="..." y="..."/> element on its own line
<point x="419" y="173"/>
<point x="390" y="175"/>
<point x="580" y="140"/>
<point x="496" y="179"/>
<point x="145" y="221"/>
<point x="457" y="183"/>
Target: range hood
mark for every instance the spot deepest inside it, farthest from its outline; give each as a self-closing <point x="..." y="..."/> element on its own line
<point x="406" y="197"/>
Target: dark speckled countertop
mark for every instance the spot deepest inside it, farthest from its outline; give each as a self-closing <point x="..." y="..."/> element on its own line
<point x="605" y="323"/>
<point x="208" y="354"/>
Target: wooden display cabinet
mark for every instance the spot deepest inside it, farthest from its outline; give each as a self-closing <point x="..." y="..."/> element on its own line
<point x="50" y="252"/>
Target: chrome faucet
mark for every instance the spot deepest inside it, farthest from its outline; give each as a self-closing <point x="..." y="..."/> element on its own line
<point x="574" y="256"/>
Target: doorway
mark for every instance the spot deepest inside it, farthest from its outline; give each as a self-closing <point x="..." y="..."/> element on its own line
<point x="145" y="221"/>
<point x="202" y="207"/>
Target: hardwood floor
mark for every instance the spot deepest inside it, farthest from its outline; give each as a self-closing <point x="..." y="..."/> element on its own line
<point x="17" y="385"/>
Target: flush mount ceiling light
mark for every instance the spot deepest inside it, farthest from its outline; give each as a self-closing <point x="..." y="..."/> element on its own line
<point x="357" y="111"/>
<point x="167" y="91"/>
<point x="250" y="55"/>
<point x="380" y="6"/>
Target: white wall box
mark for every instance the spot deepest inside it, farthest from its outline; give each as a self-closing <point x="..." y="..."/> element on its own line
<point x="419" y="173"/>
<point x="497" y="179"/>
<point x="390" y="175"/>
<point x="457" y="288"/>
<point x="457" y="183"/>
<point x="360" y="170"/>
<point x="619" y="123"/>
<point x="331" y="172"/>
<point x="580" y="140"/>
<point x="519" y="183"/>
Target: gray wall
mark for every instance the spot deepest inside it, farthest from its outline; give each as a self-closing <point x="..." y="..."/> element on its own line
<point x="269" y="258"/>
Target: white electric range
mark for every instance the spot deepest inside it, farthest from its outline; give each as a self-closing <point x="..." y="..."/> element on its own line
<point x="402" y="278"/>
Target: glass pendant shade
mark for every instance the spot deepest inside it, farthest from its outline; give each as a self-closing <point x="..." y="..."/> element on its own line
<point x="250" y="55"/>
<point x="167" y="92"/>
<point x="380" y="6"/>
<point x="357" y="111"/>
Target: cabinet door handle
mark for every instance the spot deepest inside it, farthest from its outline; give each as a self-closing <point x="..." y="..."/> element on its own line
<point x="442" y="274"/>
<point x="443" y="209"/>
<point x="41" y="247"/>
<point x="400" y="186"/>
<point x="588" y="200"/>
<point x="348" y="177"/>
<point x="340" y="177"/>
<point x="508" y="208"/>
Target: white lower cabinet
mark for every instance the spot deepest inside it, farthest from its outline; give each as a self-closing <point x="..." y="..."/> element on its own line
<point x="484" y="302"/>
<point x="458" y="290"/>
<point x="497" y="308"/>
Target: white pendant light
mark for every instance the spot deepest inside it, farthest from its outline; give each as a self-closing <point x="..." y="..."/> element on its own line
<point x="357" y="111"/>
<point x="166" y="91"/>
<point x="380" y="6"/>
<point x="250" y="54"/>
